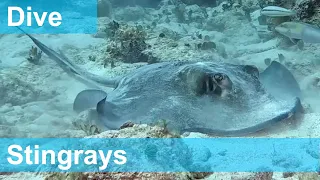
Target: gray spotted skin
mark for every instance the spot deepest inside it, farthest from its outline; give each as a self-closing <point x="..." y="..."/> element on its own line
<point x="169" y="91"/>
<point x="180" y="93"/>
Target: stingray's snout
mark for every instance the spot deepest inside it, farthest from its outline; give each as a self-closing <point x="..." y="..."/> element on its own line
<point x="218" y="84"/>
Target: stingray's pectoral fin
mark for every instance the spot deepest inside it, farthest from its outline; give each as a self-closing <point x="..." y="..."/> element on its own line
<point x="279" y="82"/>
<point x="88" y="99"/>
<point x="107" y="116"/>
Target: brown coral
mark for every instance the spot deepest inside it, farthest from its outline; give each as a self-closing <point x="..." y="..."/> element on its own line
<point x="308" y="11"/>
<point x="127" y="43"/>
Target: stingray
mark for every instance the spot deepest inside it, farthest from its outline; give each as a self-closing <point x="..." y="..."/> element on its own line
<point x="212" y="98"/>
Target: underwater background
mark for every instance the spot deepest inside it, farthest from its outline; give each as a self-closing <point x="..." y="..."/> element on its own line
<point x="37" y="95"/>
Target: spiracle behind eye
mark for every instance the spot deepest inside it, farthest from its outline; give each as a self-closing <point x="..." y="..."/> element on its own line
<point x="209" y="85"/>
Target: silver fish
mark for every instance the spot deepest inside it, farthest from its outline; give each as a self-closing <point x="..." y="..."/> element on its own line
<point x="299" y="31"/>
<point x="275" y="11"/>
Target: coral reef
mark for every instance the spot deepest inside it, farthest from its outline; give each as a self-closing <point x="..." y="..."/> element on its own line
<point x="129" y="176"/>
<point x="179" y="11"/>
<point x="205" y="3"/>
<point x="308" y="176"/>
<point x="128" y="43"/>
<point x="34" y="55"/>
<point x="281" y="3"/>
<point x="145" y="131"/>
<point x="308" y="11"/>
<point x="176" y="11"/>
<point x="88" y="129"/>
<point x="262" y="176"/>
<point x="207" y="45"/>
<point x="136" y="131"/>
<point x="143" y="3"/>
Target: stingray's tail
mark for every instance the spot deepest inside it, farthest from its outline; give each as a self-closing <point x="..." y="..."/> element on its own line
<point x="70" y="67"/>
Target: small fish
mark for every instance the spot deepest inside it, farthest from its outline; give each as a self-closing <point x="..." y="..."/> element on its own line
<point x="275" y="11"/>
<point x="292" y="30"/>
<point x="299" y="31"/>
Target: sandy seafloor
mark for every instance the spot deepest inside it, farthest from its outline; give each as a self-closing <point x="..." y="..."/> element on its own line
<point x="36" y="100"/>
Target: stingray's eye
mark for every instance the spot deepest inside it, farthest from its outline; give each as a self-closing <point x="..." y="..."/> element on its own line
<point x="218" y="77"/>
<point x="210" y="86"/>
